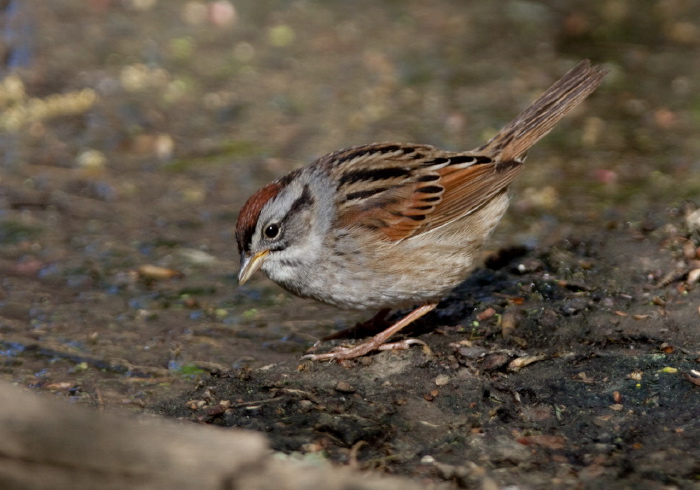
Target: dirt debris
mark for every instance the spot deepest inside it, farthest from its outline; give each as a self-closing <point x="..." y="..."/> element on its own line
<point x="601" y="389"/>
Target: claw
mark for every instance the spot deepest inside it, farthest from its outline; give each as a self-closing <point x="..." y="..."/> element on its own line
<point x="401" y="345"/>
<point x="378" y="341"/>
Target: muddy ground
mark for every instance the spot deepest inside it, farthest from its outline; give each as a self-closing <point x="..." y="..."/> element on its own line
<point x="572" y="366"/>
<point x="132" y="131"/>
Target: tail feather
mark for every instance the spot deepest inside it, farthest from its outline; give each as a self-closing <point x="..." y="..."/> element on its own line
<point x="540" y="117"/>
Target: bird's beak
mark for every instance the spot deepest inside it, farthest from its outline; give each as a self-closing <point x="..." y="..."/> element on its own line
<point x="250" y="265"/>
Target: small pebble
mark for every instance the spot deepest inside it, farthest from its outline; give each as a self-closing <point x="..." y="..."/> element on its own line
<point x="442" y="380"/>
<point x="693" y="276"/>
<point x="508" y="323"/>
<point x="486" y="314"/>
<point x="344" y="387"/>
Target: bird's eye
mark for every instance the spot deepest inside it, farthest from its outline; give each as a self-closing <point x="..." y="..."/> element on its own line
<point x="272" y="231"/>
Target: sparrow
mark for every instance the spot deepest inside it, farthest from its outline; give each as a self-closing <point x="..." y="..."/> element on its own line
<point x="392" y="225"/>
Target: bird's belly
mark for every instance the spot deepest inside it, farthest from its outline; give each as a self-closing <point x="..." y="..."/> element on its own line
<point x="374" y="274"/>
<point x="431" y="276"/>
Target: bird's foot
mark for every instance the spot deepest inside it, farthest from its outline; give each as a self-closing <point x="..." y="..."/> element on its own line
<point x="378" y="342"/>
<point x="342" y="353"/>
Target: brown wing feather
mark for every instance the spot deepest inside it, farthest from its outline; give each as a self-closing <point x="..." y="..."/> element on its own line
<point x="384" y="187"/>
<point x="413" y="210"/>
<point x="398" y="193"/>
<point x="400" y="190"/>
<point x="538" y="119"/>
<point x="467" y="190"/>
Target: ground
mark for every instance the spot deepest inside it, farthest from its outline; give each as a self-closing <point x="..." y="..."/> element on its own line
<point x="582" y="373"/>
<point x="568" y="358"/>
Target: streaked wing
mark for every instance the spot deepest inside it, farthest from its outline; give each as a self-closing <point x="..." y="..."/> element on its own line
<point x="400" y="190"/>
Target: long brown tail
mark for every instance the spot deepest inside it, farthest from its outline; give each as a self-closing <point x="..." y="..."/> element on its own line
<point x="540" y="117"/>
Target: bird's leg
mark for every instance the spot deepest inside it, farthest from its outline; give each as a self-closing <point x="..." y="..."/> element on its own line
<point x="378" y="341"/>
<point x="364" y="329"/>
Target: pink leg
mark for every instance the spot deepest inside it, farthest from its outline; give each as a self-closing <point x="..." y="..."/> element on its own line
<point x="376" y="342"/>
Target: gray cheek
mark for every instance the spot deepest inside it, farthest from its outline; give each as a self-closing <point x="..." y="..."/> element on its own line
<point x="268" y="268"/>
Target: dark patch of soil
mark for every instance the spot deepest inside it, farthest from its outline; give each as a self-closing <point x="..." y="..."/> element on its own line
<point x="582" y="376"/>
<point x="129" y="145"/>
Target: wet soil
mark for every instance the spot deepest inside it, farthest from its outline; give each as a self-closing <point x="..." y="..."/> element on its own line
<point x="131" y="133"/>
<point x="570" y="366"/>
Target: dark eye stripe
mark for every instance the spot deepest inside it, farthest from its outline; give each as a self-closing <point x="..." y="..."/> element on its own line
<point x="305" y="200"/>
<point x="250" y="212"/>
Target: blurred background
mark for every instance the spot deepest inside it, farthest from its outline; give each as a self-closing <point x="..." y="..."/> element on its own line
<point x="131" y="132"/>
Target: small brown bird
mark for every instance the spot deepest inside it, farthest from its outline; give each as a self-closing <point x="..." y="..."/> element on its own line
<point x="389" y="225"/>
